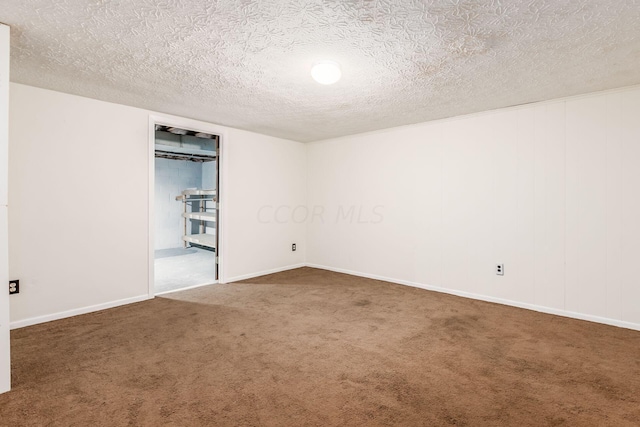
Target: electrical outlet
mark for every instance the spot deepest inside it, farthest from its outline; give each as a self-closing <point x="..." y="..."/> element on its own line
<point x="293" y="247"/>
<point x="500" y="269"/>
<point x="14" y="287"/>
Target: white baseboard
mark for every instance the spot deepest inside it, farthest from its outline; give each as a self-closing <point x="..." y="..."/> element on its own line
<point x="539" y="308"/>
<point x="263" y="273"/>
<point x="84" y="310"/>
<point x="75" y="312"/>
<point x="597" y="319"/>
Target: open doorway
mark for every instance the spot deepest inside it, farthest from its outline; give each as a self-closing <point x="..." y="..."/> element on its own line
<point x="186" y="172"/>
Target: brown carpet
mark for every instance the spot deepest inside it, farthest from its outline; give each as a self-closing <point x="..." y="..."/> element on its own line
<point x="311" y="347"/>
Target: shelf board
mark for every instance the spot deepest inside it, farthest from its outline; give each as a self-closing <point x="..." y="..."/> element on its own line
<point x="187" y="195"/>
<point x="199" y="192"/>
<point x="208" y="240"/>
<point x="163" y="150"/>
<point x="202" y="216"/>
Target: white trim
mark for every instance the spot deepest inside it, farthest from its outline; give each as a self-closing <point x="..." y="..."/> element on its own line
<point x="185" y="288"/>
<point x="539" y="308"/>
<point x="5" y="306"/>
<point x="533" y="307"/>
<point x="222" y="203"/>
<point x="76" y="311"/>
<point x="265" y="272"/>
<point x="198" y="126"/>
<point x="151" y="191"/>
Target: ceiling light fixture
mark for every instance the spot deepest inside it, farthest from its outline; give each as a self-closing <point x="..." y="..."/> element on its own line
<point x="326" y="72"/>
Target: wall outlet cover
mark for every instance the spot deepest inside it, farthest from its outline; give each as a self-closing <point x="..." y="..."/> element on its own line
<point x="14" y="287"/>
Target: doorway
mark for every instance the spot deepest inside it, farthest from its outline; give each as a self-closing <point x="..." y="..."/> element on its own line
<point x="185" y="209"/>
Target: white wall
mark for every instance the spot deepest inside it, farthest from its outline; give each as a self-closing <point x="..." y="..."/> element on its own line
<point x="208" y="175"/>
<point x="548" y="189"/>
<point x="171" y="177"/>
<point x="5" y="359"/>
<point x="78" y="216"/>
<point x="262" y="175"/>
<point x="551" y="190"/>
<point x="77" y="202"/>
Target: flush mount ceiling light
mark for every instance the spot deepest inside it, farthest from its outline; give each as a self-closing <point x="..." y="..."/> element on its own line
<point x="326" y="72"/>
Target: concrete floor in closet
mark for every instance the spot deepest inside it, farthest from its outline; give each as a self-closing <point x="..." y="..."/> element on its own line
<point x="179" y="268"/>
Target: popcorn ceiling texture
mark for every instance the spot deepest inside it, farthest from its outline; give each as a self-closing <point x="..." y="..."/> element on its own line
<point x="246" y="63"/>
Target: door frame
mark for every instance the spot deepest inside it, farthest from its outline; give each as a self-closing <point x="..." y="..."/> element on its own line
<point x="5" y="306"/>
<point x="198" y="126"/>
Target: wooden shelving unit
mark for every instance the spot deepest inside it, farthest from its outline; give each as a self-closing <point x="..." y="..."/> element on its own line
<point x="201" y="206"/>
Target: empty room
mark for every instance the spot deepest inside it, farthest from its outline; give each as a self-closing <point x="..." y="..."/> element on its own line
<point x="320" y="213"/>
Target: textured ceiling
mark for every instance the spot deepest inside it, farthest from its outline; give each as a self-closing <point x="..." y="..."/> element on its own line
<point x="246" y="63"/>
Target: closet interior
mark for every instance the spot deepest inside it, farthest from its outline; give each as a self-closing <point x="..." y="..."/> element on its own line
<point x="186" y="208"/>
